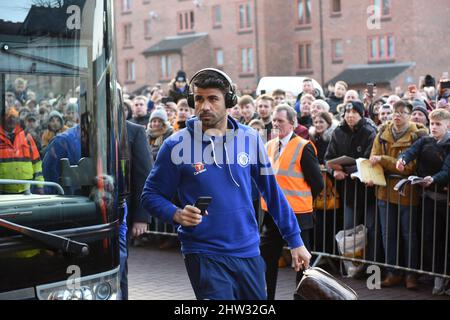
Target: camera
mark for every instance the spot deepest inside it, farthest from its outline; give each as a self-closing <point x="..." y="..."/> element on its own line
<point x="445" y="84"/>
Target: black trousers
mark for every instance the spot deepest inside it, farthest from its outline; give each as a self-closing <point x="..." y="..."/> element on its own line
<point x="271" y="246"/>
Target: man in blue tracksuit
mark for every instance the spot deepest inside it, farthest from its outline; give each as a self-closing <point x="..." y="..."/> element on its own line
<point x="216" y="156"/>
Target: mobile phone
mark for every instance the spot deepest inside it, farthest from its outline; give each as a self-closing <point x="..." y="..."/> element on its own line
<point x="202" y="203"/>
<point x="370" y="86"/>
<point x="445" y="84"/>
<point x="263" y="92"/>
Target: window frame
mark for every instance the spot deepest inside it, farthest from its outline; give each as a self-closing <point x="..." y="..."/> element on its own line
<point x="246" y="71"/>
<point x="307" y="68"/>
<point x="334" y="13"/>
<point x="127" y="35"/>
<point x="165" y="75"/>
<point x="216" y="24"/>
<point x="299" y="19"/>
<point x="382" y="2"/>
<point x="378" y="57"/>
<point x="216" y="50"/>
<point x="248" y="16"/>
<point x="130" y="62"/>
<point x="334" y="57"/>
<point x="185" y="21"/>
<point x="127" y="6"/>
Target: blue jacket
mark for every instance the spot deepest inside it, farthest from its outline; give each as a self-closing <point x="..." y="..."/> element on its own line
<point x="223" y="168"/>
<point x="64" y="145"/>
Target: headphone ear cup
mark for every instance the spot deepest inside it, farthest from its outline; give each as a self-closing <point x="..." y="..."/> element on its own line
<point x="231" y="100"/>
<point x="190" y="100"/>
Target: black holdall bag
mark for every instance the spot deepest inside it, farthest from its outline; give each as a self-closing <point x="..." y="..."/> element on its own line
<point x="317" y="284"/>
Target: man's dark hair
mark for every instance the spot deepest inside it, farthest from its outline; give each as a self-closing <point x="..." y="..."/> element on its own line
<point x="306" y="80"/>
<point x="403" y="104"/>
<point x="210" y="79"/>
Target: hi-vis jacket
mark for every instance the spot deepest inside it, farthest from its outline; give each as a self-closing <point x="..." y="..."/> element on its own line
<point x="289" y="174"/>
<point x="19" y="160"/>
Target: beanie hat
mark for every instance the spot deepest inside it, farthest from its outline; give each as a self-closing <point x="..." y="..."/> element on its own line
<point x="357" y="106"/>
<point x="56" y="114"/>
<point x="160" y="114"/>
<point x="421" y="109"/>
<point x="181" y="76"/>
<point x="32" y="115"/>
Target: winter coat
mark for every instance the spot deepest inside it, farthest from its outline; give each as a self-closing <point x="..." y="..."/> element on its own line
<point x="390" y="150"/>
<point x="355" y="143"/>
<point x="333" y="102"/>
<point x="433" y="159"/>
<point x="322" y="141"/>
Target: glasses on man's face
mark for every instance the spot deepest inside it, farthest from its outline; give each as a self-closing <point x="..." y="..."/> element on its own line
<point x="401" y="113"/>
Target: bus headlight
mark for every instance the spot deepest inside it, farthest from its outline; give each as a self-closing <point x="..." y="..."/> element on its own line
<point x="104" y="286"/>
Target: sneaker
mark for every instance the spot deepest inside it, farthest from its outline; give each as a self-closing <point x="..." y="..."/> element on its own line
<point x="439" y="286"/>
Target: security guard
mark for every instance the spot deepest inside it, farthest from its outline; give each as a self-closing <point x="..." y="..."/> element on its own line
<point x="297" y="171"/>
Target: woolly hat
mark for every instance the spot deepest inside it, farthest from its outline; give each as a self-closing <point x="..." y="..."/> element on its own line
<point x="160" y="114"/>
<point x="181" y="76"/>
<point x="421" y="109"/>
<point x="355" y="105"/>
<point x="56" y="114"/>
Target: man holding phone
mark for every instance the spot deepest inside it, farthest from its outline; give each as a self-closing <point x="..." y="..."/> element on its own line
<point x="215" y="156"/>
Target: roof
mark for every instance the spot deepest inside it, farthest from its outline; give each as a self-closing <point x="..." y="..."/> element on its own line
<point x="173" y="44"/>
<point x="377" y="73"/>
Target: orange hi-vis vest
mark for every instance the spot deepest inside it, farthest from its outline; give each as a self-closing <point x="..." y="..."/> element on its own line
<point x="289" y="174"/>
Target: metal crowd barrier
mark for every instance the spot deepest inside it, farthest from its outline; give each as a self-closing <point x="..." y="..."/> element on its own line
<point x="363" y="209"/>
<point x="431" y="252"/>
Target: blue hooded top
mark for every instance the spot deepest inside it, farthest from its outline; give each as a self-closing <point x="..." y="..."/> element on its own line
<point x="195" y="164"/>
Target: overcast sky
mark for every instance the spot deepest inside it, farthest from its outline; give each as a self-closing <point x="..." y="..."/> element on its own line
<point x="14" y="10"/>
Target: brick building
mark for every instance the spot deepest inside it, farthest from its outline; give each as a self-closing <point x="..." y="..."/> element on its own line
<point x="323" y="39"/>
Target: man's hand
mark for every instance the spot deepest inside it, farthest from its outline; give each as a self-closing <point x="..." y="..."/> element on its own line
<point x="400" y="165"/>
<point x="427" y="181"/>
<point x="189" y="216"/>
<point x="300" y="258"/>
<point x="339" y="175"/>
<point x="138" y="229"/>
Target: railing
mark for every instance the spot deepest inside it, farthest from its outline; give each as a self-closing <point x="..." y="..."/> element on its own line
<point x="425" y="232"/>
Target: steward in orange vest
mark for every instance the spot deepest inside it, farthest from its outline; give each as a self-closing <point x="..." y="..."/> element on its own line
<point x="297" y="171"/>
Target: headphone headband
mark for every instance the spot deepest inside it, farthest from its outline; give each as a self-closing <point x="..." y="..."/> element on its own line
<point x="230" y="96"/>
<point x="230" y="83"/>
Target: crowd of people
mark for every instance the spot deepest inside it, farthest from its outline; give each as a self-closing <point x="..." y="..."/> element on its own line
<point x="405" y="133"/>
<point x="380" y="126"/>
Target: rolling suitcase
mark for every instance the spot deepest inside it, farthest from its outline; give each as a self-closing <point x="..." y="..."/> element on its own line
<point x="317" y="284"/>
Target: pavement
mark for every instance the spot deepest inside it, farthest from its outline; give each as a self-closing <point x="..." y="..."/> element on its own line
<point x="156" y="274"/>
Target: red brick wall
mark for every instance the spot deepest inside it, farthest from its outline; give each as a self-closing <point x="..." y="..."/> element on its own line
<point x="420" y="29"/>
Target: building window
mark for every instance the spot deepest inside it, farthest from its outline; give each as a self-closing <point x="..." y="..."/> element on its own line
<point x="166" y="67"/>
<point x="126" y="5"/>
<point x="147" y="29"/>
<point x="186" y="21"/>
<point x="245" y="16"/>
<point x="337" y="49"/>
<point x="381" y="48"/>
<point x="127" y="35"/>
<point x="304" y="12"/>
<point x="335" y="6"/>
<point x="247" y="65"/>
<point x="131" y="70"/>
<point x="217" y="16"/>
<point x="384" y="7"/>
<point x="304" y="56"/>
<point x="219" y="57"/>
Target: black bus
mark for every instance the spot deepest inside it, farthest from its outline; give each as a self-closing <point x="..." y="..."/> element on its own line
<point x="63" y="160"/>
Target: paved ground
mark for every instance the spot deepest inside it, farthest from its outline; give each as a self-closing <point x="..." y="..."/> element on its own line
<point x="156" y="274"/>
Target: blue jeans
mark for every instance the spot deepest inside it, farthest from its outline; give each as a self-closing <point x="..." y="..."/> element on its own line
<point x="389" y="218"/>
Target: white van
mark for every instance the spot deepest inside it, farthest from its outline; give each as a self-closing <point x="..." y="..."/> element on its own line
<point x="292" y="84"/>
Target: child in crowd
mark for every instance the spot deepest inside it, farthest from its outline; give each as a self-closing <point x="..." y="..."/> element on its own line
<point x="433" y="163"/>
